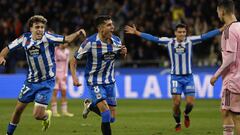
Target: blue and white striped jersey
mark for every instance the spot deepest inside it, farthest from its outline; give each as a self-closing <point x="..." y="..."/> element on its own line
<point x="180" y="52"/>
<point x="100" y="59"/>
<point x="40" y="55"/>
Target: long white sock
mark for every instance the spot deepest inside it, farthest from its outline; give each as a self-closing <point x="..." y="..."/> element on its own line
<point x="54" y="107"/>
<point x="64" y="107"/>
<point x="228" y="129"/>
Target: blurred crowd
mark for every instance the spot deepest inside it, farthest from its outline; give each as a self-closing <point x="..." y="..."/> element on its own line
<point x="157" y="17"/>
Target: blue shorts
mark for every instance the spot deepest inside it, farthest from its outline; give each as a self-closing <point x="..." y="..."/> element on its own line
<point x="182" y="84"/>
<point x="40" y="92"/>
<point x="103" y="92"/>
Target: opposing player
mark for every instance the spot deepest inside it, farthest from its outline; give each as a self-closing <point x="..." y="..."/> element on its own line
<point x="180" y="52"/>
<point x="101" y="49"/>
<point x="39" y="48"/>
<point x="230" y="68"/>
<point x="62" y="60"/>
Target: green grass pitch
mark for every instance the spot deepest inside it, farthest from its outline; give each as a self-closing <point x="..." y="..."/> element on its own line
<point x="134" y="117"/>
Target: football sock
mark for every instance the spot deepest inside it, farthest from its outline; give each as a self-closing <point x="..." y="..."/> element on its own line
<point x="177" y="117"/>
<point x="188" y="108"/>
<point x="228" y="129"/>
<point x="11" y="128"/>
<point x="112" y="120"/>
<point x="105" y="126"/>
<point x="54" y="107"/>
<point x="64" y="107"/>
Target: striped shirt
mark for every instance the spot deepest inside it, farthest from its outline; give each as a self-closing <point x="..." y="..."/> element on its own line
<point x="100" y="59"/>
<point x="180" y="52"/>
<point x="40" y="55"/>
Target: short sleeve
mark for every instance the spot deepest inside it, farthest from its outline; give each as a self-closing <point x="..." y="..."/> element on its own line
<point x="17" y="43"/>
<point x="84" y="48"/>
<point x="231" y="42"/>
<point x="54" y="38"/>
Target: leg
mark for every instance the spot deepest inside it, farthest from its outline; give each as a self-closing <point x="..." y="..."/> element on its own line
<point x="228" y="124"/>
<point x="188" y="109"/>
<point x="16" y="117"/>
<point x="89" y="106"/>
<point x="40" y="113"/>
<point x="236" y="120"/>
<point x="64" y="103"/>
<point x="177" y="111"/>
<point x="106" y="116"/>
<point x="54" y="103"/>
<point x="113" y="113"/>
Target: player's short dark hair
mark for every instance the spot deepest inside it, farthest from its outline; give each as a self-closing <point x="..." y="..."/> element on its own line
<point x="101" y="19"/>
<point x="227" y="5"/>
<point x="181" y="25"/>
<point x="35" y="19"/>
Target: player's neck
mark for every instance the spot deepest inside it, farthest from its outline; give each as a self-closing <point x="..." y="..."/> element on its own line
<point x="104" y="38"/>
<point x="179" y="40"/>
<point x="230" y="19"/>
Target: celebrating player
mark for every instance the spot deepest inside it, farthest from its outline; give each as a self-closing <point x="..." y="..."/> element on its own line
<point x="101" y="50"/>
<point x="39" y="49"/>
<point x="180" y="52"/>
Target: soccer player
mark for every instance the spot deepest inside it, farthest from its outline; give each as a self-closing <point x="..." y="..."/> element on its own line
<point x="230" y="68"/>
<point x="62" y="59"/>
<point x="101" y="50"/>
<point x="180" y="52"/>
<point x="39" y="48"/>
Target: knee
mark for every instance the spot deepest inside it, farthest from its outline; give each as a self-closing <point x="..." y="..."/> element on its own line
<point x="38" y="116"/>
<point x="177" y="103"/>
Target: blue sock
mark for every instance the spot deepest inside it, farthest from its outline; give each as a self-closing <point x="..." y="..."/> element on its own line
<point x="105" y="125"/>
<point x="112" y="120"/>
<point x="11" y="128"/>
<point x="106" y="116"/>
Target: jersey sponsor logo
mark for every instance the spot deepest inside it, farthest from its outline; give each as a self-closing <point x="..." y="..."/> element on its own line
<point x="34" y="51"/>
<point x="180" y="49"/>
<point x="109" y="56"/>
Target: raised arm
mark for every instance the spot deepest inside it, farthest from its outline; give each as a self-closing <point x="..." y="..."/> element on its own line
<point x="205" y="36"/>
<point x="72" y="37"/>
<point x="133" y="30"/>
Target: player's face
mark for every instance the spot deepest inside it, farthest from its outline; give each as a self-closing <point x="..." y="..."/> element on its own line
<point x="107" y="29"/>
<point x="220" y="13"/>
<point x="37" y="30"/>
<point x="180" y="34"/>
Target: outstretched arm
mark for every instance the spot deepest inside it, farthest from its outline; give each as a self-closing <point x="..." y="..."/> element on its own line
<point x="133" y="30"/>
<point x="72" y="37"/>
<point x="208" y="35"/>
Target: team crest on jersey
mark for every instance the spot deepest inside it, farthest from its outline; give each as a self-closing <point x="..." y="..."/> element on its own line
<point x="34" y="51"/>
<point x="109" y="56"/>
<point x="180" y="49"/>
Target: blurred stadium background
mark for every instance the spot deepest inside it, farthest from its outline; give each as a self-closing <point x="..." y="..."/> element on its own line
<point x="143" y="75"/>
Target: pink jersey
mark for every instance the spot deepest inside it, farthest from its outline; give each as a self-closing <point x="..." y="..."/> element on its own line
<point x="230" y="44"/>
<point x="62" y="58"/>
